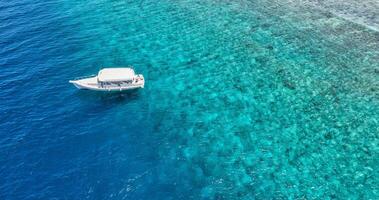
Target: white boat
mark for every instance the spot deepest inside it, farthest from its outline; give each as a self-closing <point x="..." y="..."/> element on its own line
<point x="111" y="79"/>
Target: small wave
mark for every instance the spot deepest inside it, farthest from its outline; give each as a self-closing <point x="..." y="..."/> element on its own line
<point x="364" y="12"/>
<point x="358" y="20"/>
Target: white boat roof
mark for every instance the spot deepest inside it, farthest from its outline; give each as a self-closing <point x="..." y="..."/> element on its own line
<point x="115" y="74"/>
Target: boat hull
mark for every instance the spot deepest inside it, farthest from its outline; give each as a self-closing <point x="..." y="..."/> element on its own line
<point x="88" y="84"/>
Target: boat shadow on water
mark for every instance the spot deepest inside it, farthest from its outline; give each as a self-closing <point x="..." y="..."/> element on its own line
<point x="109" y="98"/>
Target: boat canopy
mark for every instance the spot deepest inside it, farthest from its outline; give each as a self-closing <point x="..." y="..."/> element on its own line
<point x="115" y="74"/>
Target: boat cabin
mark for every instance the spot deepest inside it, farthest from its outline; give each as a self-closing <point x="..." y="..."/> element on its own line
<point x="117" y="77"/>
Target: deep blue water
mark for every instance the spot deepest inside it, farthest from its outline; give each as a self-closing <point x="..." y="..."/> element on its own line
<point x="243" y="100"/>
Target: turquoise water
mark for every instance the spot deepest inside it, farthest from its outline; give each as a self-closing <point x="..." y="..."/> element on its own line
<point x="243" y="100"/>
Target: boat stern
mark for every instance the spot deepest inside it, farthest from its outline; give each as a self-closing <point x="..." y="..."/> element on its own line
<point x="141" y="80"/>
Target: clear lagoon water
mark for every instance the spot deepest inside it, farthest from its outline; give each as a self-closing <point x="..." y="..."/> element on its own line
<point x="243" y="100"/>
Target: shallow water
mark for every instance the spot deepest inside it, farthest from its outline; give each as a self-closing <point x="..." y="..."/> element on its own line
<point x="243" y="100"/>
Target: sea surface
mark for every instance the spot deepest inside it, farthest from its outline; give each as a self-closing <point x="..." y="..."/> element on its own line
<point x="244" y="99"/>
